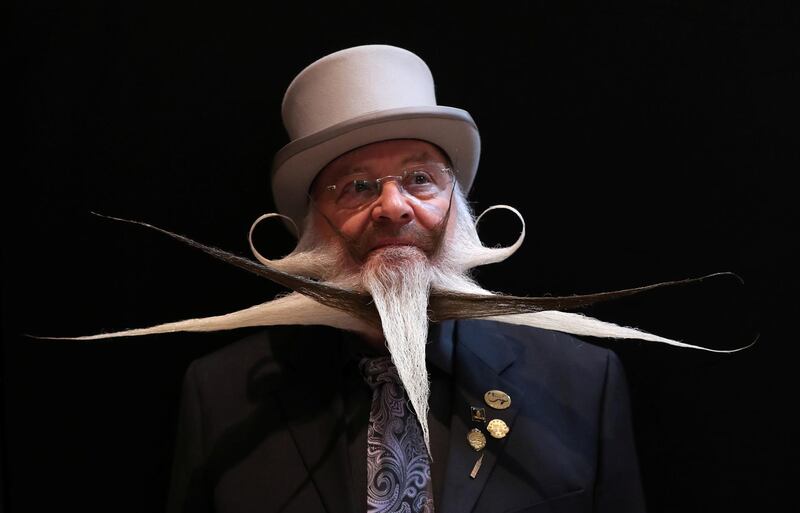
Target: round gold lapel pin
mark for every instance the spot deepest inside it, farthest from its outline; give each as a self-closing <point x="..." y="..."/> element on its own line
<point x="497" y="428"/>
<point x="497" y="399"/>
<point x="476" y="439"/>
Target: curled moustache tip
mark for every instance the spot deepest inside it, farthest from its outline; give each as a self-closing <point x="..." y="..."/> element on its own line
<point x="40" y="337"/>
<point x="748" y="346"/>
<point x="723" y="351"/>
<point x="98" y="214"/>
<point x="146" y="225"/>
<point x="508" y="250"/>
<point x="256" y="254"/>
<point x="83" y="338"/>
<point x="725" y="273"/>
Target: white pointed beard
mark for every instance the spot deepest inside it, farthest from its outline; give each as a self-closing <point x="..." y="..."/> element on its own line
<point x="398" y="278"/>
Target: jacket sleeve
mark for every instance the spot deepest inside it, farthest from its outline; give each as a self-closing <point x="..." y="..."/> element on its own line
<point x="618" y="488"/>
<point x="188" y="492"/>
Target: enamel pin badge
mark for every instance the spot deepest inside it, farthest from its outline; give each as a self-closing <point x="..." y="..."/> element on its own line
<point x="497" y="399"/>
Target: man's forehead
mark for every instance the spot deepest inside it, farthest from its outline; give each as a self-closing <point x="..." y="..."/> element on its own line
<point x="396" y="152"/>
<point x="417" y="156"/>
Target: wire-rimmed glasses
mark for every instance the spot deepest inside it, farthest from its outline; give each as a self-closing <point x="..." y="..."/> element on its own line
<point x="422" y="181"/>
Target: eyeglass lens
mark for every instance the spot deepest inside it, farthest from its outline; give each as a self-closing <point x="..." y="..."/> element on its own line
<point x="423" y="182"/>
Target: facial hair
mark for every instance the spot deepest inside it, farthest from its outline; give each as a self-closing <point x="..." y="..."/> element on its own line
<point x="398" y="279"/>
<point x="322" y="296"/>
<point x="399" y="300"/>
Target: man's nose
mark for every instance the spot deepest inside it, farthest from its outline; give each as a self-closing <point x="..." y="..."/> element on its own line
<point x="392" y="205"/>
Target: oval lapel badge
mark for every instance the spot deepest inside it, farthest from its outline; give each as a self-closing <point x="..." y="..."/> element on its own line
<point x="497" y="399"/>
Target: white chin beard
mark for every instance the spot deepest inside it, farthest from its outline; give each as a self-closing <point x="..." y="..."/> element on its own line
<point x="398" y="279"/>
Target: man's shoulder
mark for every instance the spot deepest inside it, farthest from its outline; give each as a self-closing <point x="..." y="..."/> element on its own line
<point x="538" y="347"/>
<point x="553" y="368"/>
<point x="531" y="339"/>
<point x="265" y="349"/>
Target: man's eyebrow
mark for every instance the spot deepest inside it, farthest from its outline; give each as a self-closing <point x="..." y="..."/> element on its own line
<point x="417" y="157"/>
<point x="421" y="156"/>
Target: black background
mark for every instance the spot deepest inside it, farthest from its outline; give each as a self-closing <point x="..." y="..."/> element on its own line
<point x="643" y="141"/>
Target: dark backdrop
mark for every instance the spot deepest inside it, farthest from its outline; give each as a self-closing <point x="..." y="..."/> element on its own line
<point x="642" y="140"/>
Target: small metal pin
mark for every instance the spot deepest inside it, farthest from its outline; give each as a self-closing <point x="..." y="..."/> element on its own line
<point x="497" y="428"/>
<point x="476" y="439"/>
<point x="478" y="414"/>
<point x="476" y="467"/>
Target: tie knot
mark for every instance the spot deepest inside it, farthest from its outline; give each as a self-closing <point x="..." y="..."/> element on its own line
<point x="377" y="371"/>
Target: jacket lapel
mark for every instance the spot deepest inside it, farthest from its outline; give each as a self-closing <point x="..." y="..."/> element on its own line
<point x="480" y="357"/>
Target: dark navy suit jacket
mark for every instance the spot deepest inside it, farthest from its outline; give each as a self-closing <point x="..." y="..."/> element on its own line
<point x="262" y="425"/>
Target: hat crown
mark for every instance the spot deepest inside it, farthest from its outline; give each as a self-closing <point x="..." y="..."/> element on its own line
<point x="353" y="82"/>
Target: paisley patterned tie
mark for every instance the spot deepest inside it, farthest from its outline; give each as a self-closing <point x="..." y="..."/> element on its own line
<point x="398" y="468"/>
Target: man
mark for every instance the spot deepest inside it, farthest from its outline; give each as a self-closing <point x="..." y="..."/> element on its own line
<point x="465" y="415"/>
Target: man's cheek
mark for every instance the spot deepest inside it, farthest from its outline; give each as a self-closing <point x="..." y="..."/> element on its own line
<point x="429" y="214"/>
<point x="356" y="226"/>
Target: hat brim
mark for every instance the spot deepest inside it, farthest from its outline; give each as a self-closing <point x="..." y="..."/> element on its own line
<point x="296" y="165"/>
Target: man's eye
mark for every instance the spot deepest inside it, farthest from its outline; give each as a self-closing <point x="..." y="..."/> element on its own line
<point x="420" y="178"/>
<point x="361" y="186"/>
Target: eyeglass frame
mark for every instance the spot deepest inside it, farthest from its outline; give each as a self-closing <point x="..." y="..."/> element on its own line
<point x="450" y="171"/>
